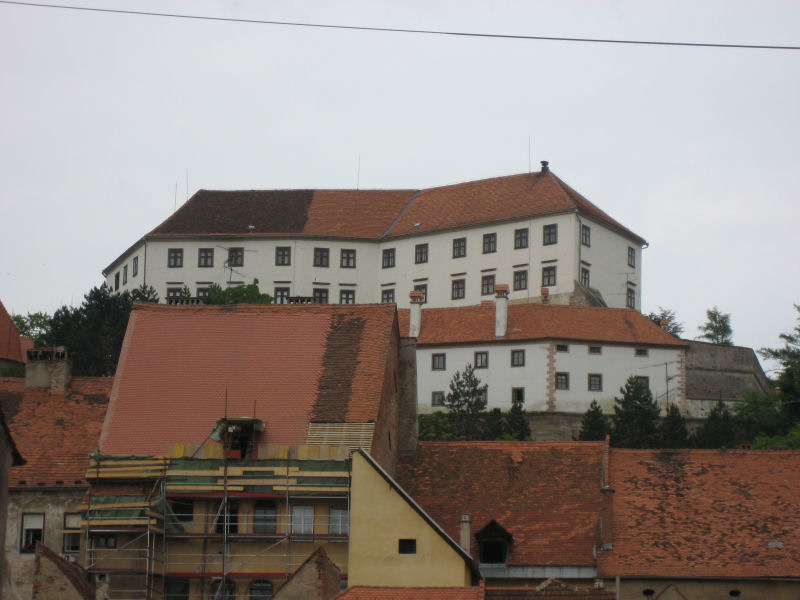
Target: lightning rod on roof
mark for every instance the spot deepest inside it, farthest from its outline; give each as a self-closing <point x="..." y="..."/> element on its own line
<point x="358" y="172"/>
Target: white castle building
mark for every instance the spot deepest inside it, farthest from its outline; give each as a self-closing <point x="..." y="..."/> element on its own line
<point x="453" y="243"/>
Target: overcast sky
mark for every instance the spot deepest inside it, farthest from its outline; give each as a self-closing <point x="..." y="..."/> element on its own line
<point x="102" y="116"/>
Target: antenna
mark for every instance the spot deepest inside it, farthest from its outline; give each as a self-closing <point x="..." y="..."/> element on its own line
<point x="529" y="155"/>
<point x="358" y="172"/>
<point x="174" y="208"/>
<point x="187" y="183"/>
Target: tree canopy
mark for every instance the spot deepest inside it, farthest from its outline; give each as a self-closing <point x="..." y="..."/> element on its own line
<point x="33" y="325"/>
<point x="240" y="294"/>
<point x="465" y="402"/>
<point x="717" y="328"/>
<point x="636" y="416"/>
<point x="667" y="320"/>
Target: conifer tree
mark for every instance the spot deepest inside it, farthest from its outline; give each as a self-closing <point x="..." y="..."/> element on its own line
<point x="516" y="422"/>
<point x="718" y="430"/>
<point x="636" y="417"/>
<point x="466" y="402"/>
<point x="717" y="328"/>
<point x="672" y="429"/>
<point x="594" y="424"/>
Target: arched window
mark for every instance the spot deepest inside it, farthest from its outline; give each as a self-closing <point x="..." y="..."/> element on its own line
<point x="260" y="588"/>
<point x="264" y="517"/>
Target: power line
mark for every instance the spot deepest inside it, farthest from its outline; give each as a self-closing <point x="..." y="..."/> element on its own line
<point x="403" y="30"/>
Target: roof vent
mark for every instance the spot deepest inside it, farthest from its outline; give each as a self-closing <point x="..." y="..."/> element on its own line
<point x="251" y="228"/>
<point x="545" y="166"/>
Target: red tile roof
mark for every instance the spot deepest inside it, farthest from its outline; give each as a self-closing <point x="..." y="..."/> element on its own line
<point x="704" y="513"/>
<point x="54" y="432"/>
<point x="10" y="348"/>
<point x="476" y="324"/>
<point x="286" y="365"/>
<point x="377" y="214"/>
<point x="366" y="592"/>
<point x="545" y="494"/>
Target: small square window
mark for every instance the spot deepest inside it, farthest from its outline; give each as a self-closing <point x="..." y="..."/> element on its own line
<point x="550" y="234"/>
<point x="459" y="247"/>
<point x="423" y="287"/>
<point x="641" y="352"/>
<point x="407" y="546"/>
<point x="175" y="258"/>
<point x="320" y="296"/>
<point x="585" y="277"/>
<point x="586" y="235"/>
<point x="388" y="258"/>
<point x="520" y="280"/>
<point x="437" y="398"/>
<point x="595" y="349"/>
<point x="282" y="295"/>
<point x="518" y="395"/>
<point x="135" y="269"/>
<point x="631" y="257"/>
<point x="205" y="257"/>
<point x="283" y="256"/>
<point x="438" y="362"/>
<point x="124" y="274"/>
<point x="421" y="253"/>
<point x="518" y="358"/>
<point x="630" y="298"/>
<point x="235" y="257"/>
<point x="321" y="257"/>
<point x="562" y="381"/>
<point x="487" y="285"/>
<point x="595" y="382"/>
<point x="387" y="296"/>
<point x="348" y="259"/>
<point x="489" y="243"/>
<point x="32" y="531"/>
<point x="562" y="347"/>
<point x="347" y="296"/>
<point x="481" y="360"/>
<point x="520" y="238"/>
<point x="548" y="276"/>
<point x="458" y="289"/>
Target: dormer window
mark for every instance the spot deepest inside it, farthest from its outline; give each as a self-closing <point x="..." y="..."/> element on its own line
<point x="494" y="544"/>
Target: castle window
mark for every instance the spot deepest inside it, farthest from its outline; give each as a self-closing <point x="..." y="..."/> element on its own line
<point x="458" y="289"/>
<point x="548" y="276"/>
<point x="562" y="381"/>
<point x="423" y="287"/>
<point x="320" y="296"/>
<point x="459" y="247"/>
<point x="482" y="360"/>
<point x="520" y="238"/>
<point x="348" y="259"/>
<point x="205" y="257"/>
<point x="437" y="398"/>
<point x="489" y="243"/>
<point x="630" y="298"/>
<point x="438" y="362"/>
<point x="421" y="253"/>
<point x="586" y="235"/>
<point x="283" y="255"/>
<point x="135" y="267"/>
<point x="585" y="277"/>
<point x="321" y="257"/>
<point x="520" y="280"/>
<point x="518" y="358"/>
<point x="388" y="258"/>
<point x="631" y="257"/>
<point x="550" y="234"/>
<point x="347" y="296"/>
<point x="282" y="295"/>
<point x="175" y="258"/>
<point x="487" y="285"/>
<point x="595" y="382"/>
<point x="235" y="257"/>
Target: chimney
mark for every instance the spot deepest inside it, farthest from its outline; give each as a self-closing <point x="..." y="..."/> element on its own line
<point x="407" y="423"/>
<point x="465" y="531"/>
<point x="415" y="318"/>
<point x="545" y="295"/>
<point x="545" y="167"/>
<point x="500" y="310"/>
<point x="49" y="368"/>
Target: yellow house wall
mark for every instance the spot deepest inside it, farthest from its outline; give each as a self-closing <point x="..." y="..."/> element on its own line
<point x="379" y="518"/>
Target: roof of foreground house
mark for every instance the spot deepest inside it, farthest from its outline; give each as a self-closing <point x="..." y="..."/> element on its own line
<point x="533" y="321"/>
<point x="10" y="348"/>
<point x="54" y="432"/>
<point x="377" y="214"/>
<point x="704" y="513"/>
<point x="184" y="367"/>
<point x="373" y="592"/>
<point x="545" y="494"/>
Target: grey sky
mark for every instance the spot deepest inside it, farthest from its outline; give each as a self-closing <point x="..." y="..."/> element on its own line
<point x="695" y="149"/>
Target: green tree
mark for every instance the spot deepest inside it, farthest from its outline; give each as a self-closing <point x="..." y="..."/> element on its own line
<point x="594" y="424"/>
<point x="636" y="416"/>
<point x="790" y="440"/>
<point x="762" y="414"/>
<point x="494" y="425"/>
<point x="672" y="326"/>
<point x="240" y="294"/>
<point x="788" y="381"/>
<point x="436" y="427"/>
<point x="718" y="430"/>
<point x="33" y="325"/>
<point x="672" y="429"/>
<point x="517" y="425"/>
<point x="144" y="293"/>
<point x="466" y="401"/>
<point x="717" y="328"/>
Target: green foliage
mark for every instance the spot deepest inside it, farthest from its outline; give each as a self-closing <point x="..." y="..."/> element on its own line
<point x="636" y="417"/>
<point x="790" y="440"/>
<point x="672" y="429"/>
<point x="594" y="424"/>
<point x="673" y="326"/>
<point x="12" y="370"/>
<point x="33" y="325"/>
<point x="762" y="414"/>
<point x="466" y="402"/>
<point x="436" y="427"/>
<point x="788" y="356"/>
<point x="718" y="430"/>
<point x="717" y="328"/>
<point x="517" y="424"/>
<point x="144" y="293"/>
<point x="95" y="330"/>
<point x="240" y="294"/>
<point x="494" y="425"/>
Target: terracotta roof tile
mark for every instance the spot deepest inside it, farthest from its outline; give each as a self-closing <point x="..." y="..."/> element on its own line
<point x="364" y="592"/>
<point x="10" y="348"/>
<point x="476" y="324"/>
<point x="704" y="513"/>
<point x="283" y="364"/>
<point x="374" y="214"/>
<point x="545" y="494"/>
<point x="54" y="432"/>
